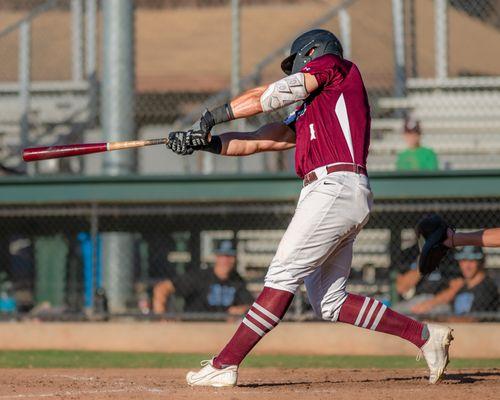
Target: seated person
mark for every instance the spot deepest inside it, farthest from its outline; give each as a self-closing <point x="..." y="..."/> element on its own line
<point x="415" y="157"/>
<point x="430" y="294"/>
<point x="479" y="292"/>
<point x="217" y="289"/>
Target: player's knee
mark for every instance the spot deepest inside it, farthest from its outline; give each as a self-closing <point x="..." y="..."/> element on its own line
<point x="280" y="278"/>
<point x="330" y="308"/>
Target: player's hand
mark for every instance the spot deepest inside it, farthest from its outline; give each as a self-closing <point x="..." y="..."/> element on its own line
<point x="180" y="142"/>
<point x="201" y="129"/>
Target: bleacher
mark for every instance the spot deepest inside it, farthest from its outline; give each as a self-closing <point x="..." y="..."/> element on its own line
<point x="59" y="111"/>
<point x="460" y="116"/>
<point x="460" y="120"/>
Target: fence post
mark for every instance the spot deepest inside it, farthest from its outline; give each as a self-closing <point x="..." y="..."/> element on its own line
<point x="118" y="83"/>
<point x="412" y="39"/>
<point x="24" y="80"/>
<point x="76" y="40"/>
<point x="91" y="56"/>
<point x="238" y="125"/>
<point x="345" y="32"/>
<point x="94" y="232"/>
<point x="441" y="32"/>
<point x="117" y="116"/>
<point x="399" y="48"/>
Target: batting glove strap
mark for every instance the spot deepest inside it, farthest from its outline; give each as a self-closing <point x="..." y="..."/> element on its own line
<point x="215" y="145"/>
<point x="222" y="114"/>
<point x="208" y="120"/>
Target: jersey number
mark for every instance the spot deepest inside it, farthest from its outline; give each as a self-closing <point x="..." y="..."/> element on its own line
<point x="311" y="130"/>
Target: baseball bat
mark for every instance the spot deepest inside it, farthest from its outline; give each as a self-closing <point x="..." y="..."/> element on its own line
<point x="50" y="152"/>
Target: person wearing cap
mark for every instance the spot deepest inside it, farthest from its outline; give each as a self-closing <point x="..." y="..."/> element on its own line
<point x="217" y="289"/>
<point x="429" y="294"/>
<point x="415" y="157"/>
<point x="479" y="292"/>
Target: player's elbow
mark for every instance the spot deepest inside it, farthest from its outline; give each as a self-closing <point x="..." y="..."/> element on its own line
<point x="284" y="92"/>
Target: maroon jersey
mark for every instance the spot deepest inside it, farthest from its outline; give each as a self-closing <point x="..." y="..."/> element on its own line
<point x="333" y="123"/>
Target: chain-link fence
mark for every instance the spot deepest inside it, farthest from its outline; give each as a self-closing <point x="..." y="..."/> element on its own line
<point x="431" y="59"/>
<point x="48" y="78"/>
<point x="428" y="58"/>
<point x="452" y="91"/>
<point x="208" y="260"/>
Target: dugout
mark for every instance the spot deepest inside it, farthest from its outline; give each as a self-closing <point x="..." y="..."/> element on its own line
<point x="187" y="213"/>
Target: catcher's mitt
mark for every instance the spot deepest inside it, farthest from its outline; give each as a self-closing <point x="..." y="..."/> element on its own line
<point x="431" y="233"/>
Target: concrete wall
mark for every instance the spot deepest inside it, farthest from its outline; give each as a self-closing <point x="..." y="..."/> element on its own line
<point x="471" y="340"/>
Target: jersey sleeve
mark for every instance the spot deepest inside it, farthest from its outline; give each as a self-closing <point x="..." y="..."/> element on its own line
<point x="328" y="69"/>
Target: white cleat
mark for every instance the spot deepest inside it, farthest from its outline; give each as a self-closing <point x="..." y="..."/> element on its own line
<point x="211" y="376"/>
<point x="435" y="350"/>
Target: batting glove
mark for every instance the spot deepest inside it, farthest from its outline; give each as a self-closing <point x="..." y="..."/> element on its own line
<point x="201" y="129"/>
<point x="179" y="142"/>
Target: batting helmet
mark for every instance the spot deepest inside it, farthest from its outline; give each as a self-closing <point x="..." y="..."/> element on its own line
<point x="322" y="41"/>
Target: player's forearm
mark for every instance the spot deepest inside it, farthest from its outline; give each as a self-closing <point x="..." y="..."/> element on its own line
<point x="271" y="137"/>
<point x="161" y="292"/>
<point x="248" y="103"/>
<point x="486" y="238"/>
<point x="238" y="144"/>
<point x="407" y="281"/>
<point x="448" y="294"/>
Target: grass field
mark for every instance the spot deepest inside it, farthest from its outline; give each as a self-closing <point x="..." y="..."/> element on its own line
<point x="82" y="375"/>
<point x="90" y="359"/>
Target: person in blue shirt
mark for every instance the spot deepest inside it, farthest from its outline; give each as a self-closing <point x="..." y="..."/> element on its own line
<point x="479" y="292"/>
<point x="217" y="289"/>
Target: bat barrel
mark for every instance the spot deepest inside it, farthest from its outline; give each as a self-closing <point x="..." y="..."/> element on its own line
<point x="49" y="152"/>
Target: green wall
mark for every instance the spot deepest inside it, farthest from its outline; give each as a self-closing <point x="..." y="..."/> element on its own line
<point x="452" y="184"/>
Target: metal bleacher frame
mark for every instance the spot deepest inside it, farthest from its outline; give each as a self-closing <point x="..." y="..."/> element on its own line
<point x="48" y="112"/>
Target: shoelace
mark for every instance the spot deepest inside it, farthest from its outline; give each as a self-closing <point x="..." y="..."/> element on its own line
<point x="204" y="363"/>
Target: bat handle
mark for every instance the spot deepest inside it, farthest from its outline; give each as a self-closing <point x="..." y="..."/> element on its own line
<point x="135" y="143"/>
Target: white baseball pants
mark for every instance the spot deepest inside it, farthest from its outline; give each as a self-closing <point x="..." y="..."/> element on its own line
<point x="317" y="246"/>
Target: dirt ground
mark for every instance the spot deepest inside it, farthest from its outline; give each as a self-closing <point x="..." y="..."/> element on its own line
<point x="267" y="383"/>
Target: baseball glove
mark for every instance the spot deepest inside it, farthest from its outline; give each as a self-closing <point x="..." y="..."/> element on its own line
<point x="431" y="233"/>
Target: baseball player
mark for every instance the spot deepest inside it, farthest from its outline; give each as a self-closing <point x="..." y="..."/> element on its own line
<point x="330" y="131"/>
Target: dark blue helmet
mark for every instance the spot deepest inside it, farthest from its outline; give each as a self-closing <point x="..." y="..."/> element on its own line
<point x="322" y="41"/>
